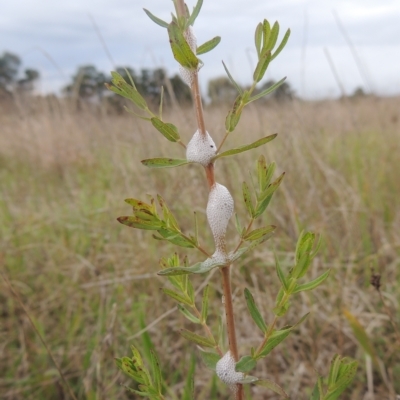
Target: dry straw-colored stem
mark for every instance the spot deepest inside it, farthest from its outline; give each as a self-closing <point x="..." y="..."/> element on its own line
<point x="21" y="304"/>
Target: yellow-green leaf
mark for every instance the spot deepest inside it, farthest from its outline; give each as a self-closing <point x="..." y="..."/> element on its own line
<point x="180" y="48"/>
<point x="208" y="46"/>
<point x="246" y="147"/>
<point x="161" y="162"/>
<point x="200" y="340"/>
<point x="170" y="131"/>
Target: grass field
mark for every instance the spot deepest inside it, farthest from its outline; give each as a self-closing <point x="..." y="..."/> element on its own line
<point x="89" y="283"/>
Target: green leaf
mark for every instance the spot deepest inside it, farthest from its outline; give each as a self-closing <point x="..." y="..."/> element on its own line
<point x="248" y="379"/>
<point x="361" y="335"/>
<point x="208" y="46"/>
<point x="262" y="173"/>
<point x="259" y="232"/>
<point x="177" y="238"/>
<point x="282" y="45"/>
<point x="281" y="275"/>
<point x="198" y="268"/>
<point x="135" y="222"/>
<point x="247" y="199"/>
<point x="158" y="21"/>
<point x="254" y="312"/>
<point x="262" y="65"/>
<point x="140" y="205"/>
<point x="251" y="246"/>
<point x="127" y="367"/>
<point x="171" y="223"/>
<point x="155" y="365"/>
<point x="161" y="162"/>
<point x="277" y="337"/>
<point x="188" y="314"/>
<point x="178" y="297"/>
<point x="231" y="79"/>
<point x="233" y="117"/>
<point x="204" y="306"/>
<point x="210" y="359"/>
<point x="272" y="386"/>
<point x="270" y="189"/>
<point x="195" y="12"/>
<point x="246" y="147"/>
<point x="170" y="131"/>
<point x="341" y="374"/>
<point x="267" y="91"/>
<point x="317" y="393"/>
<point x="266" y="34"/>
<point x="188" y="392"/>
<point x="313" y="284"/>
<point x="200" y="340"/>
<point x="258" y="38"/>
<point x="302" y="265"/>
<point x="125" y="90"/>
<point x="180" y="48"/>
<point x="245" y="364"/>
<point x="273" y="37"/>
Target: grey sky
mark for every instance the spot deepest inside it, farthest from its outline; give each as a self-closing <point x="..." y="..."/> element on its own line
<point x="64" y="31"/>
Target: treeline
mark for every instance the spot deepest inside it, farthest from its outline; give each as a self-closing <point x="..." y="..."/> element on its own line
<point x="88" y="84"/>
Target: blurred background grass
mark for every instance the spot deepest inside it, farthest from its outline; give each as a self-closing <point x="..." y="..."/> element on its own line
<point x="89" y="283"/>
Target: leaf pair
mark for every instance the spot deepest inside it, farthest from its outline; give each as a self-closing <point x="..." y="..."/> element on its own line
<point x="127" y="90"/>
<point x="265" y="41"/>
<point x="145" y="216"/>
<point x="149" y="385"/>
<point x="341" y="374"/>
<point x="306" y="250"/>
<point x="272" y="338"/>
<point x="265" y="190"/>
<point x="191" y="18"/>
<point x="171" y="133"/>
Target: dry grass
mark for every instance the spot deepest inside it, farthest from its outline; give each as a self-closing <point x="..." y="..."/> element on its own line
<point x="90" y="284"/>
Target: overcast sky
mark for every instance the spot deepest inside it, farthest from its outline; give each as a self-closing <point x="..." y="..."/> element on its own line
<point x="55" y="37"/>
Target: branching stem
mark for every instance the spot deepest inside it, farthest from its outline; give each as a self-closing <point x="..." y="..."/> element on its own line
<point x="267" y="336"/>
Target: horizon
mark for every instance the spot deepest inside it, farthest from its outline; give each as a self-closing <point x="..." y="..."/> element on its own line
<point x="361" y="38"/>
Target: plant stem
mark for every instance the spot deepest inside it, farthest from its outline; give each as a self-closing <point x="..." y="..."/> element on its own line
<point x="207" y="329"/>
<point x="223" y="141"/>
<point x="198" y="105"/>
<point x="267" y="335"/>
<point x="230" y="322"/>
<point x="209" y="169"/>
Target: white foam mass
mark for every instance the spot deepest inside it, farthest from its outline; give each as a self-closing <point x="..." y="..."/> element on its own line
<point x="191" y="39"/>
<point x="201" y="149"/>
<point x="187" y="75"/>
<point x="219" y="211"/>
<point x="225" y="370"/>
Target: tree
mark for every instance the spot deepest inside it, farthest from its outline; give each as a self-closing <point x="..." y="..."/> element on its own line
<point x="9" y="70"/>
<point x="87" y="83"/>
<point x="221" y="90"/>
<point x="180" y="90"/>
